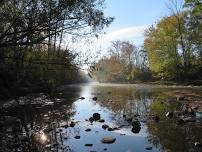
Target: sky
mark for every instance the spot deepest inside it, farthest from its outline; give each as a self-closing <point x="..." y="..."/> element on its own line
<point x="132" y="17"/>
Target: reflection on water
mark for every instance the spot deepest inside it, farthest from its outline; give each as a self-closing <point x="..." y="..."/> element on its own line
<point x="64" y="125"/>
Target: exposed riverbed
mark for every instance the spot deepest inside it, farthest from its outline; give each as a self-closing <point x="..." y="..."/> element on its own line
<point x="64" y="121"/>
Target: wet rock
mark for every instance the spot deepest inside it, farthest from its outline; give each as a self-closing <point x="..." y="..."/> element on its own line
<point x="72" y="124"/>
<point x="180" y="98"/>
<point x="156" y="118"/>
<point x="95" y="98"/>
<point x="77" y="137"/>
<point x="60" y="130"/>
<point x="88" y="129"/>
<point x="136" y="123"/>
<point x="48" y="146"/>
<point x="91" y="119"/>
<point x="124" y="115"/>
<point x="129" y="120"/>
<point x="148" y="148"/>
<point x="108" y="140"/>
<point x="187" y="138"/>
<point x="66" y="126"/>
<point x="88" y="145"/>
<point x="105" y="149"/>
<point x="169" y="114"/>
<point x="23" y="138"/>
<point x="10" y="104"/>
<point x="110" y="129"/>
<point x="96" y="116"/>
<point x="189" y="119"/>
<point x="9" y="120"/>
<point x="82" y="98"/>
<point x="136" y="129"/>
<point x="105" y="126"/>
<point x="101" y="120"/>
<point x="194" y="107"/>
<point x="136" y="126"/>
<point x="180" y="121"/>
<point x="48" y="129"/>
<point x="197" y="144"/>
<point x="136" y="115"/>
<point x="191" y="112"/>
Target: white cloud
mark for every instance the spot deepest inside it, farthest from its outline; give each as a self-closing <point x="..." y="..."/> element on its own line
<point x="134" y="34"/>
<point x="125" y="33"/>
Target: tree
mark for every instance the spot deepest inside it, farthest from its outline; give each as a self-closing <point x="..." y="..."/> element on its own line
<point x="26" y="22"/>
<point x="194" y="25"/>
<point x="125" y="63"/>
<point x="31" y="38"/>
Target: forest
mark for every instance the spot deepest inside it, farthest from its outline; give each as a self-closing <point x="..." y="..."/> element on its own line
<point x="33" y="55"/>
<point x="172" y="51"/>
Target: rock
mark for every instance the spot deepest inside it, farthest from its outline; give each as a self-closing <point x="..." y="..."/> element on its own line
<point x="136" y="115"/>
<point x="88" y="145"/>
<point x="180" y="98"/>
<point x="136" y="129"/>
<point x="60" y="130"/>
<point x="148" y="148"/>
<point x="110" y="129"/>
<point x="10" y="104"/>
<point x="129" y="120"/>
<point x="180" y="121"/>
<point x="191" y="112"/>
<point x="124" y="115"/>
<point x="156" y="118"/>
<point x="105" y="126"/>
<point x="101" y="120"/>
<point x="169" y="114"/>
<point x="72" y="124"/>
<point x="82" y="98"/>
<point x="66" y="126"/>
<point x="77" y="137"/>
<point x="48" y="146"/>
<point x="95" y="98"/>
<point x="91" y="119"/>
<point x="197" y="144"/>
<point x="136" y="123"/>
<point x="23" y="138"/>
<point x="105" y="149"/>
<point x="108" y="140"/>
<point x="87" y="130"/>
<point x="189" y="119"/>
<point x="194" y="107"/>
<point x="9" y="120"/>
<point x="96" y="116"/>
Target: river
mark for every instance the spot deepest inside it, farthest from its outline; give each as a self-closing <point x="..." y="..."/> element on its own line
<point x="118" y="105"/>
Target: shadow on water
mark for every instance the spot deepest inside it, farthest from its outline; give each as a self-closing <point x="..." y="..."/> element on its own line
<point x="61" y="122"/>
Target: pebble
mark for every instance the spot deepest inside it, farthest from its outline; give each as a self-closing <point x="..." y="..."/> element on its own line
<point x="108" y="140"/>
<point x="87" y="130"/>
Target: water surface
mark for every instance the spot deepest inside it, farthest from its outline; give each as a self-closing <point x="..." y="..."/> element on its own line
<point x="116" y="104"/>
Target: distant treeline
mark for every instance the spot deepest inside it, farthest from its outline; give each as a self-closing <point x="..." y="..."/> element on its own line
<point x="32" y="33"/>
<point x="172" y="50"/>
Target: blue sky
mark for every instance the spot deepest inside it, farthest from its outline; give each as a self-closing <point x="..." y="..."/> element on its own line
<point x="132" y="17"/>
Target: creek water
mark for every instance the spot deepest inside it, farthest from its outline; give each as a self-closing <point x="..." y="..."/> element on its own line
<point x="116" y="104"/>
